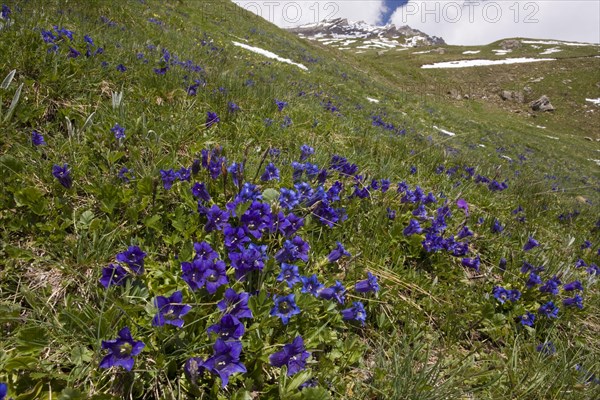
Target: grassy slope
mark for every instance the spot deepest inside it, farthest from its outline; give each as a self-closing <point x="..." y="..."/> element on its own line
<point x="438" y="327"/>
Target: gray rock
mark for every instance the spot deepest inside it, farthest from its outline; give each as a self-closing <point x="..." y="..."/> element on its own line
<point x="512" y="96"/>
<point x="510" y="44"/>
<point x="542" y="104"/>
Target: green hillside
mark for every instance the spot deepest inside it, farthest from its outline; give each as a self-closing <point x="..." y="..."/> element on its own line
<point x="182" y="216"/>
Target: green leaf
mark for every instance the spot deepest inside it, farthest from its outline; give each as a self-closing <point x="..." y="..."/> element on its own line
<point x="271" y="195"/>
<point x="153" y="222"/>
<point x="13" y="103"/>
<point x="32" y="198"/>
<point x="8" y="79"/>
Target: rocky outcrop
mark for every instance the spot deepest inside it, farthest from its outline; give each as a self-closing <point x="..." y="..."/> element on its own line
<point x="542" y="104"/>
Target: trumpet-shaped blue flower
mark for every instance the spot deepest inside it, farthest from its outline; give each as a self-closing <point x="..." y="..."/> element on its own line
<point x="134" y="258"/>
<point x="293" y="356"/>
<point x="228" y="328"/>
<point x="113" y="275"/>
<point x="170" y="310"/>
<point x="63" y="175"/>
<point x="368" y="285"/>
<point x="285" y="307"/>
<point x="121" y="350"/>
<point x="235" y="304"/>
<point x="356" y="312"/>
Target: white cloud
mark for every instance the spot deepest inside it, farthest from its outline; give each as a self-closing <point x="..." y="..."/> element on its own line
<point x="293" y="13"/>
<point x="470" y="22"/>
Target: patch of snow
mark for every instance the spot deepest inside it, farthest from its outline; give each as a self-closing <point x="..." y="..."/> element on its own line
<point x="359" y="52"/>
<point x="594" y="101"/>
<point x="551" y="50"/>
<point x="481" y="145"/>
<point x="269" y="54"/>
<point x="445" y="132"/>
<point x="596" y="161"/>
<point x="372" y="100"/>
<point x="422" y="52"/>
<point x="552" y="137"/>
<point x="541" y="127"/>
<point x="557" y="42"/>
<point x="500" y="52"/>
<point x="479" y="63"/>
<point x="471" y="52"/>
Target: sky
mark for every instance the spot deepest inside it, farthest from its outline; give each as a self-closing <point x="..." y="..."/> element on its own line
<point x="459" y="22"/>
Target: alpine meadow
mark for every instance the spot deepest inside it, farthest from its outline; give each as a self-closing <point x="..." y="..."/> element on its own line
<point x="196" y="203"/>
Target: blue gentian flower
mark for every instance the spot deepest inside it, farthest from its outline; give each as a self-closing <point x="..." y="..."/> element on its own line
<point x="305" y="152"/>
<point x="586" y="245"/>
<point x="466" y="232"/>
<point x="121" y="350"/>
<point x="114" y="274"/>
<point x="246" y="261"/>
<point x="271" y="173"/>
<point x="293" y="356"/>
<point x="211" y="119"/>
<point x="232" y="107"/>
<point x="228" y="328"/>
<point x="3" y="386"/>
<point x="575" y="285"/>
<point x="236" y="170"/>
<point x="368" y="285"/>
<point x="293" y="250"/>
<point x="412" y="228"/>
<point x="73" y="53"/>
<point x="280" y="104"/>
<point x="497" y="227"/>
<point x="119" y="131"/>
<point x="134" y="258"/>
<point x="471" y="263"/>
<point x="193" y="273"/>
<point x="311" y="285"/>
<point x="287" y="121"/>
<point x="391" y="214"/>
<point x="463" y="205"/>
<point x="121" y="68"/>
<point x="549" y="310"/>
<point x="502" y="264"/>
<point x="580" y="263"/>
<point x="531" y="243"/>
<point x="289" y="273"/>
<point x="63" y="174"/>
<point x="335" y="292"/>
<point x="576" y="301"/>
<point x="533" y="280"/>
<point x="285" y="307"/>
<point x="235" y="238"/>
<point x="226" y="360"/>
<point x="500" y="294"/>
<point x="170" y="310"/>
<point x="168" y="178"/>
<point x="5" y="14"/>
<point x="200" y="191"/>
<point x="338" y="253"/>
<point x="37" y="139"/>
<point x="527" y="319"/>
<point x="184" y="174"/>
<point x="355" y="313"/>
<point x="593" y="269"/>
<point x="235" y="304"/>
<point x="204" y="252"/>
<point x="551" y="286"/>
<point x="217" y="219"/>
<point x="214" y="275"/>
